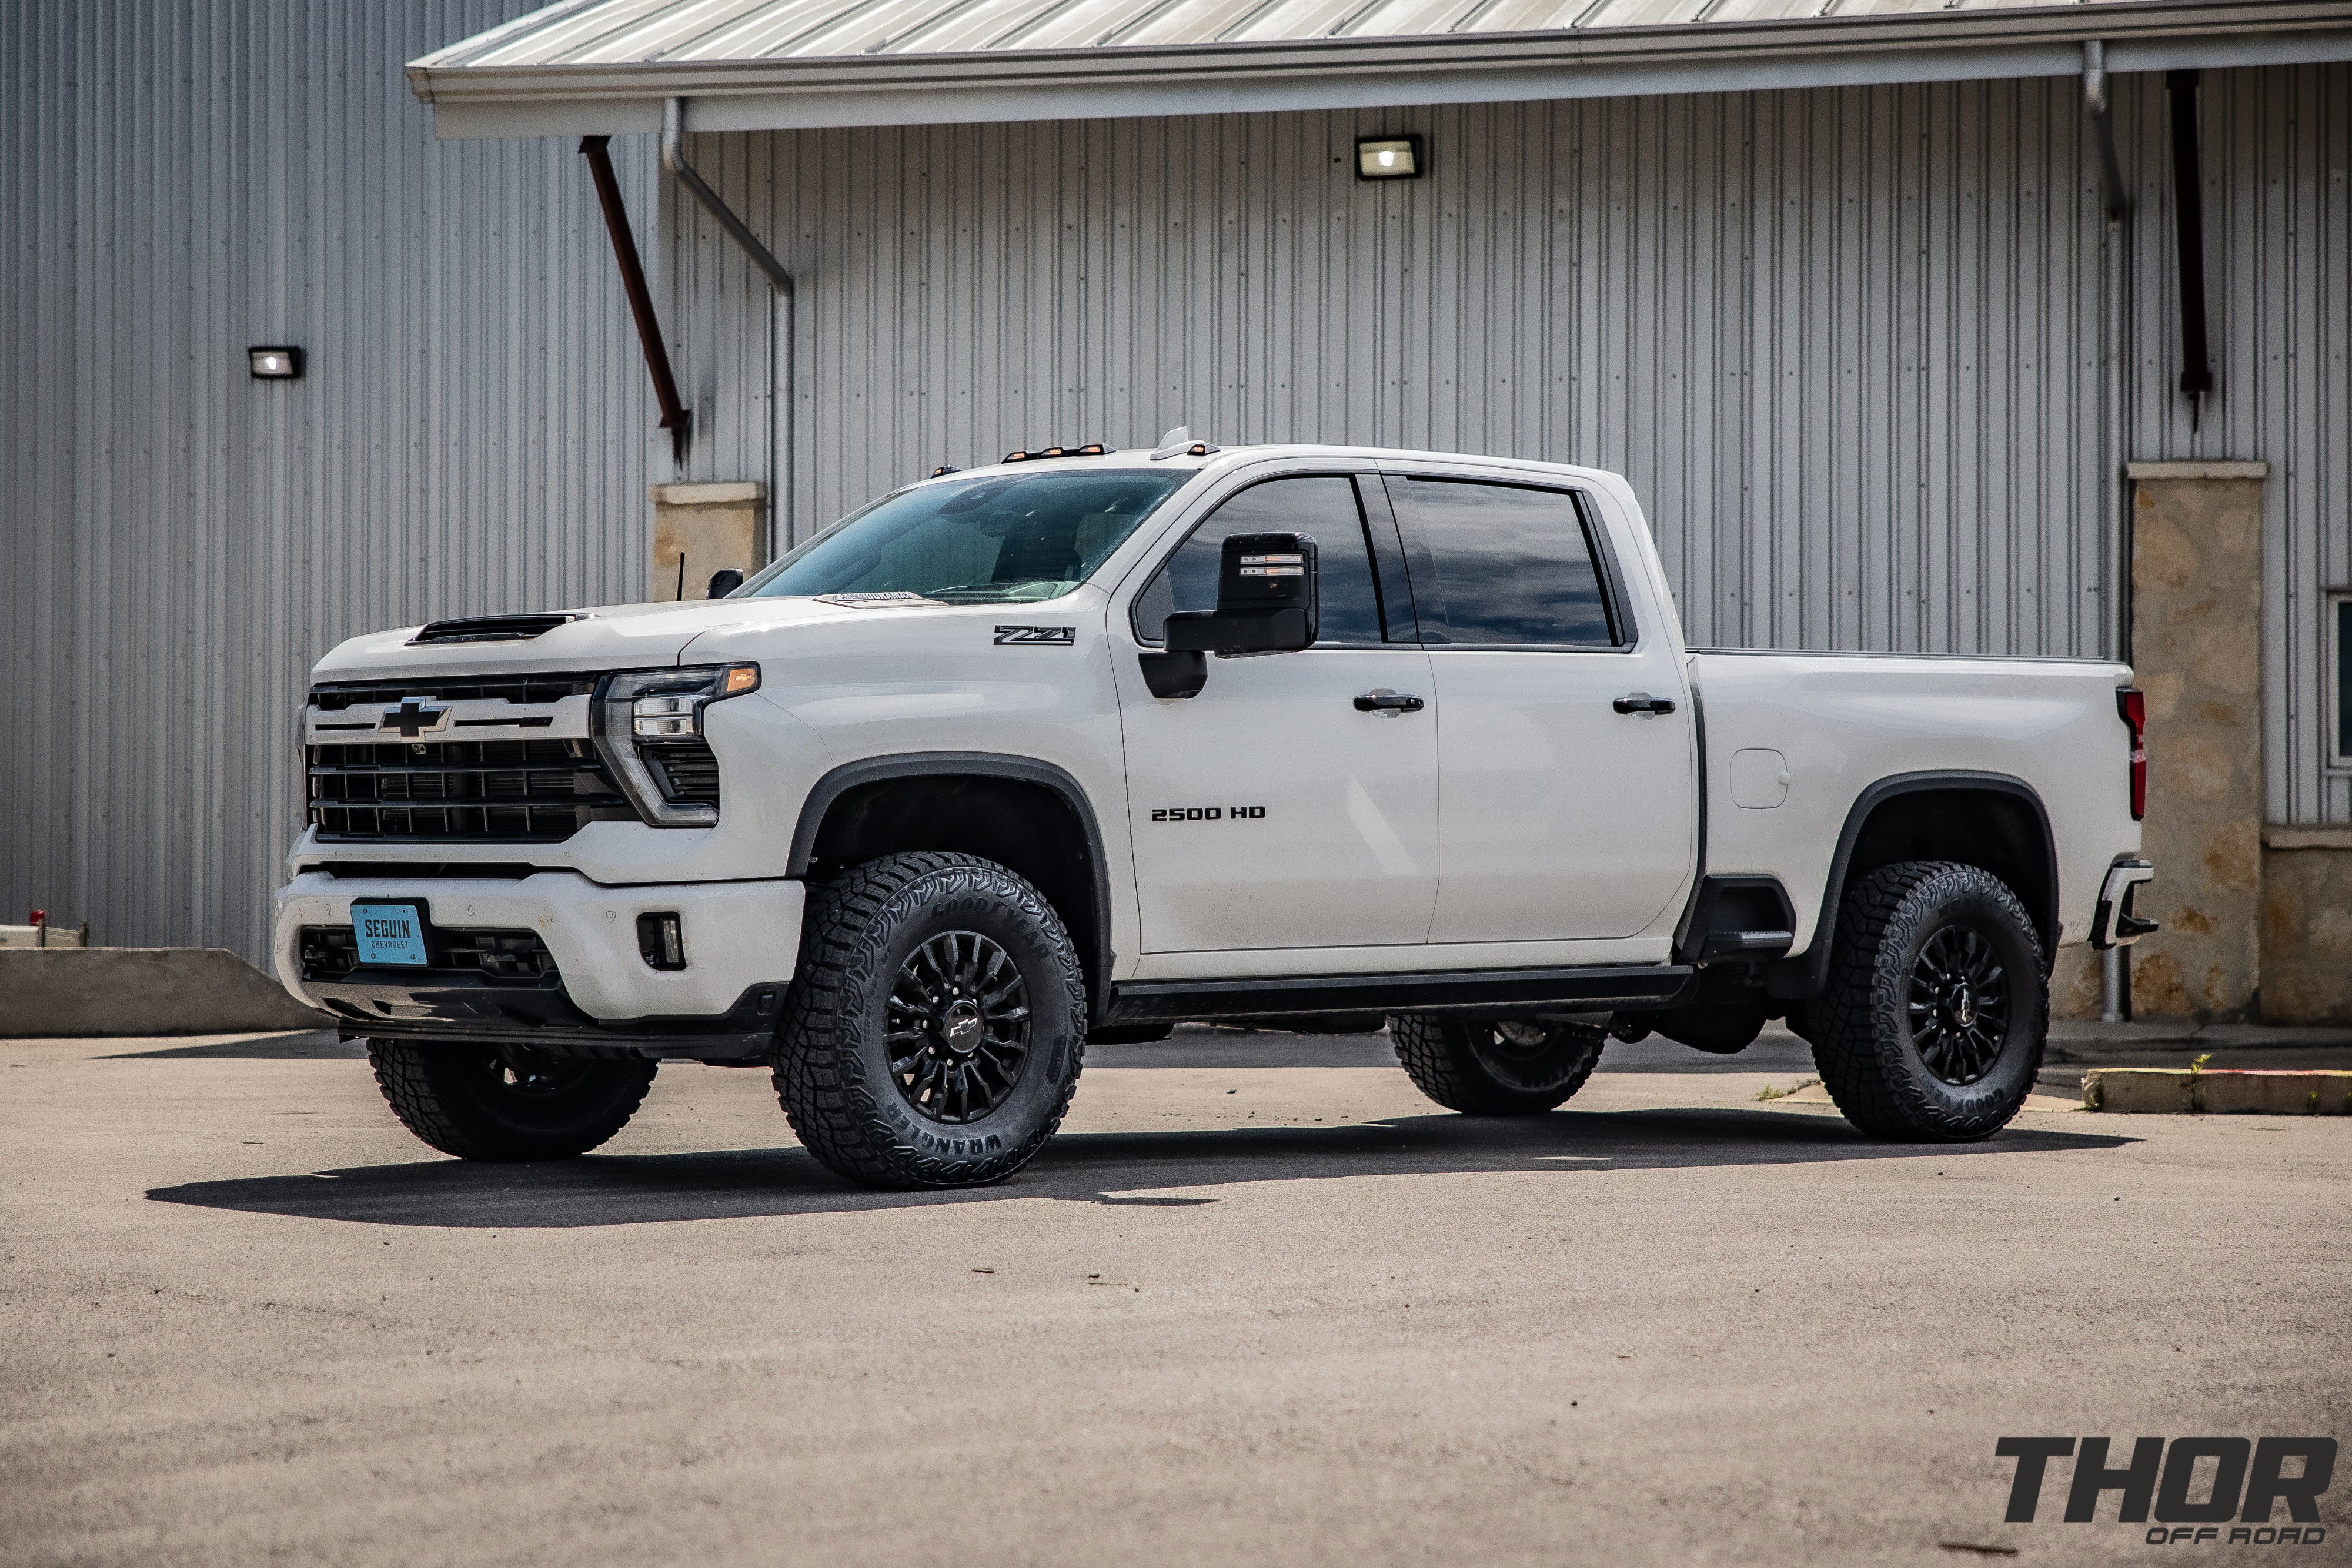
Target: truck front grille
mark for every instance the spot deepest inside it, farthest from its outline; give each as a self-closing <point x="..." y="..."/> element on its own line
<point x="511" y="791"/>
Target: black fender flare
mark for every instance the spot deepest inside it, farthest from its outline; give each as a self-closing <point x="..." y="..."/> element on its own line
<point x="848" y="776"/>
<point x="1803" y="975"/>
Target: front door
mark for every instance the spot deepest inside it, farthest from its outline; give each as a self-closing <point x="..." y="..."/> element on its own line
<point x="1269" y="811"/>
<point x="1570" y="802"/>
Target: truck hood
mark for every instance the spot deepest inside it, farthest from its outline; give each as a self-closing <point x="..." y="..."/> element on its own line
<point x="609" y="637"/>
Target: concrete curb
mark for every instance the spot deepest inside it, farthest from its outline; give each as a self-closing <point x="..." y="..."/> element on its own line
<point x="47" y="992"/>
<point x="2229" y="1091"/>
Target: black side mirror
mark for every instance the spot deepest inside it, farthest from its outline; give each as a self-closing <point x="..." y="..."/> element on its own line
<point x="1267" y="603"/>
<point x="724" y="581"/>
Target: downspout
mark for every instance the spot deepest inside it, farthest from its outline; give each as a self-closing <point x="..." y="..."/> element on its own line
<point x="2115" y="978"/>
<point x="2188" y="210"/>
<point x="673" y="154"/>
<point x="2094" y="104"/>
<point x="675" y="417"/>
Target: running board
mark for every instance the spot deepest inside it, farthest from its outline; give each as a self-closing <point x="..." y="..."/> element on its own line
<point x="1589" y="989"/>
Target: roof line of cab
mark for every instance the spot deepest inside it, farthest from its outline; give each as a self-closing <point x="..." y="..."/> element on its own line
<point x="1205" y="454"/>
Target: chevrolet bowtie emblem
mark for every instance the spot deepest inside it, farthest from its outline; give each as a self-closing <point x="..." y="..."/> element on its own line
<point x="415" y="716"/>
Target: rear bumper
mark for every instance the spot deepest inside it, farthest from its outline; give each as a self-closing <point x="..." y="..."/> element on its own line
<point x="741" y="939"/>
<point x="2113" y="924"/>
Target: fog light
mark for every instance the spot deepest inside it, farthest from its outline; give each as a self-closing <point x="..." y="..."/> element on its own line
<point x="1388" y="158"/>
<point x="661" y="941"/>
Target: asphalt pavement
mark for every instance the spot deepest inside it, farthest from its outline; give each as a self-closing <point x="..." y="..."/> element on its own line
<point x="1259" y="1302"/>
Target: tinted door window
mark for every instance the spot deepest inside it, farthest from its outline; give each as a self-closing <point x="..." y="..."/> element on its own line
<point x="1512" y="565"/>
<point x="1324" y="505"/>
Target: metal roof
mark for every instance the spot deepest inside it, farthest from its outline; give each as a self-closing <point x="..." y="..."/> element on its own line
<point x="604" y="65"/>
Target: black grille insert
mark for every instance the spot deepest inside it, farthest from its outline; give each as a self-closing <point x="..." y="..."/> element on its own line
<point x="512" y="791"/>
<point x="687" y="770"/>
<point x="332" y="953"/>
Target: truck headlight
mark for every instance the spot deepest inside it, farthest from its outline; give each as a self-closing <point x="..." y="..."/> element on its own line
<point x="648" y="716"/>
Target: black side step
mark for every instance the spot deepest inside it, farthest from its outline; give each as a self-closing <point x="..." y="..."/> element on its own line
<point x="1590" y="988"/>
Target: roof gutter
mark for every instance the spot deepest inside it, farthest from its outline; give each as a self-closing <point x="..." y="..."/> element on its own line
<point x="1005" y="85"/>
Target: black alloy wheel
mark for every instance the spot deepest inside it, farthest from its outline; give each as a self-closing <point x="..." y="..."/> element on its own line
<point x="935" y="1031"/>
<point x="1958" y="1007"/>
<point x="958" y="1027"/>
<point x="1932" y="1024"/>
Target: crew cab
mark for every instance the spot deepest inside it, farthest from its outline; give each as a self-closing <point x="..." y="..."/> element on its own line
<point x="1073" y="747"/>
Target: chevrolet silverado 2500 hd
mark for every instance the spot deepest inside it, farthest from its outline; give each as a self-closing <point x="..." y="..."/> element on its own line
<point x="1081" y="744"/>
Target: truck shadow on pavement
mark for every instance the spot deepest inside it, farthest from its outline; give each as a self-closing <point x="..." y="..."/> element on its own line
<point x="1136" y="1169"/>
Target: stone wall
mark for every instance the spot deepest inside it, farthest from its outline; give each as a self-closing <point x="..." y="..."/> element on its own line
<point x="698" y="528"/>
<point x="2307" y="926"/>
<point x="2197" y="605"/>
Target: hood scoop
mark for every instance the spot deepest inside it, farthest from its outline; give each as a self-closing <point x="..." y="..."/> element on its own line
<point x="493" y="628"/>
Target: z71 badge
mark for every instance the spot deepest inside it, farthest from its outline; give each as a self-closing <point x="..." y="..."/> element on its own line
<point x="1063" y="636"/>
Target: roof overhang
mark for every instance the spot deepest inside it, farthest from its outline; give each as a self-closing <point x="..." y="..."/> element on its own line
<point x="1006" y="85"/>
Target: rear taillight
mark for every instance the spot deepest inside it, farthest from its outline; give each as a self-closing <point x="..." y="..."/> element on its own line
<point x="2133" y="706"/>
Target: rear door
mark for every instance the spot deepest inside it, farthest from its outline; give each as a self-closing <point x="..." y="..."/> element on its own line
<point x="1269" y="811"/>
<point x="1567" y="768"/>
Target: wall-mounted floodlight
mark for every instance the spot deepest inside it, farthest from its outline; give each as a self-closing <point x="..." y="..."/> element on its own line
<point x="279" y="364"/>
<point x="1388" y="158"/>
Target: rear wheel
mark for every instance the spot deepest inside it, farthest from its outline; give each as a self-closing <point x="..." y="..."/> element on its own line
<point x="1485" y="1067"/>
<point x="506" y="1103"/>
<point x="1934" y="1020"/>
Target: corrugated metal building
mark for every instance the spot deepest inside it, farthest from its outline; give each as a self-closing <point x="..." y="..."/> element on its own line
<point x="1836" y="284"/>
<point x="180" y="182"/>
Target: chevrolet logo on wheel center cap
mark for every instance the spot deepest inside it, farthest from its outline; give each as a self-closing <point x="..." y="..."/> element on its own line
<point x="415" y="716"/>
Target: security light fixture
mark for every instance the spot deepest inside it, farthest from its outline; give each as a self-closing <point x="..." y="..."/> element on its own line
<point x="1388" y="158"/>
<point x="281" y="364"/>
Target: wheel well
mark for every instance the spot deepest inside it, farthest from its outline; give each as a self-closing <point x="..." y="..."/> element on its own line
<point x="1984" y="819"/>
<point x="1029" y="826"/>
<point x="1997" y="831"/>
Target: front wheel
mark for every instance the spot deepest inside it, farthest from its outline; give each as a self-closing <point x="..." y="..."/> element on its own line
<point x="1932" y="1027"/>
<point x="1485" y="1067"/>
<point x="506" y="1103"/>
<point x="935" y="1031"/>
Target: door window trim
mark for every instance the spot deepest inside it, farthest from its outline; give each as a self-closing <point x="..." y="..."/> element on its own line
<point x="1428" y="593"/>
<point x="1388" y="569"/>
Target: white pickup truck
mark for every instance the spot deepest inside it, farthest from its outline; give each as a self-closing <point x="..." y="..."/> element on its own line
<point x="1081" y="744"/>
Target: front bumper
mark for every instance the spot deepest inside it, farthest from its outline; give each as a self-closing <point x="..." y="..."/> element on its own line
<point x="741" y="939"/>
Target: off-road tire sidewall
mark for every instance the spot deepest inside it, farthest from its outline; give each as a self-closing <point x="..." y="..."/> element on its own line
<point x="833" y="1066"/>
<point x="1454" y="1063"/>
<point x="450" y="1096"/>
<point x="1869" y="1060"/>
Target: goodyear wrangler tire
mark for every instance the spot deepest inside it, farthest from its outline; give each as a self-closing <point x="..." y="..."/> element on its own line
<point x="1483" y="1068"/>
<point x="1932" y="1026"/>
<point x="935" y="1031"/>
<point x="506" y="1103"/>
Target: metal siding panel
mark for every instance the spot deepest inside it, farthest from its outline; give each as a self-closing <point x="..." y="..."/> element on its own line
<point x="185" y="180"/>
<point x="1852" y="345"/>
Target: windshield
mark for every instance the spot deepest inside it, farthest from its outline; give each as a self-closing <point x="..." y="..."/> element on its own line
<point x="997" y="540"/>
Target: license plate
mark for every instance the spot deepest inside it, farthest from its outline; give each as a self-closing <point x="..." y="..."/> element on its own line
<point x="389" y="934"/>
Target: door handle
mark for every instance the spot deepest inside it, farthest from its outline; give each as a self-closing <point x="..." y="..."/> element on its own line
<point x="1644" y="703"/>
<point x="1387" y="701"/>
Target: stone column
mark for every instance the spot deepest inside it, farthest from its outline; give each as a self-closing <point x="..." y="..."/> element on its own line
<point x="2197" y="646"/>
<point x="705" y="526"/>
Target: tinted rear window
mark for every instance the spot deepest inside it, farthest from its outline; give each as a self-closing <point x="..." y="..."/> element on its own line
<point x="1512" y="565"/>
